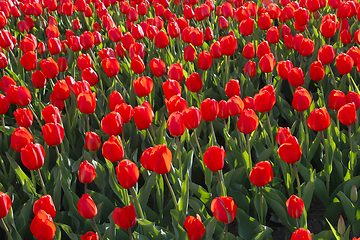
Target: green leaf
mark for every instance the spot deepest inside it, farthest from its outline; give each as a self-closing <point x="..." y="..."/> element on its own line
<point x="334" y="232"/>
<point x="155" y="231"/>
<point x="145" y="191"/>
<point x="247" y="225"/>
<point x="68" y="231"/>
<point x="348" y="206"/>
<point x="184" y="200"/>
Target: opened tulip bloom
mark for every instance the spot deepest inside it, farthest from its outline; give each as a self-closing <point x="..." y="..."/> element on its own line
<point x="194" y="227"/>
<point x="224" y="209"/>
<point x="261" y="174"/>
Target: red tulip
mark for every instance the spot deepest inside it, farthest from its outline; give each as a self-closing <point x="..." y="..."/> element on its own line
<point x="61" y="90"/>
<point x="113" y="150"/>
<point x="307" y="47"/>
<point x="160" y="159"/>
<point x="53" y="134"/>
<point x="171" y="88"/>
<point x="5" y="204"/>
<point x="87" y="207"/>
<point x="215" y="50"/>
<point x="261" y="174"/>
<point x="262" y="49"/>
<point x="46" y="204"/>
<point x="126" y="112"/>
<point x="209" y="109"/>
<point x="337" y="99"/>
<point x="295" y="206"/>
<point x="265" y="99"/>
<point x="249" y="51"/>
<point x="214" y="158"/>
<point x="86" y="102"/>
<point x="176" y="124"/>
<point x="264" y="21"/>
<point x="42" y="226"/>
<point x="267" y="63"/>
<point x="161" y="39"/>
<point x="92" y="141"/>
<point x="347" y="114"/>
<point x="145" y="157"/>
<point x="157" y="67"/>
<point x="204" y="60"/>
<point x="115" y="99"/>
<point x="90" y="236"/>
<point x="354" y="53"/>
<point x="87" y="172"/>
<point x="62" y="64"/>
<point x="301" y="100"/>
<point x="296" y="77"/>
<point x="290" y="150"/>
<point x="192" y="117"/>
<point x="32" y="156"/>
<point x="317" y="71"/>
<point x="194" y="227"/>
<point x="282" y="135"/>
<point x="193" y="82"/>
<point x="112" y="123"/>
<point x="232" y="88"/>
<point x="127" y="173"/>
<point x="250" y="69"/>
<point x="143" y="116"/>
<point x="137" y="65"/>
<point x="38" y="79"/>
<point x="224" y="209"/>
<point x="196" y="37"/>
<point x="18" y="95"/>
<point x="20" y="138"/>
<point x="143" y="86"/>
<point x="90" y="76"/>
<point x="228" y="45"/>
<point x="301" y="234"/>
<point x="29" y="61"/>
<point x="235" y="106"/>
<point x="273" y="35"/>
<point x="301" y="16"/>
<point x="246" y="27"/>
<point x="23" y="117"/>
<point x="326" y="54"/>
<point x="353" y="97"/>
<point x="344" y="63"/>
<point x="283" y="69"/>
<point x="49" y="67"/>
<point x="84" y="61"/>
<point x="248" y="121"/>
<point x="176" y="72"/>
<point x="328" y="26"/>
<point x="4" y="104"/>
<point x="125" y="217"/>
<point x="189" y="54"/>
<point x="5" y="82"/>
<point x="111" y="67"/>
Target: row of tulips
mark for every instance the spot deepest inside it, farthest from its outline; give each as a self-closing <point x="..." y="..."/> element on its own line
<point x="133" y="57"/>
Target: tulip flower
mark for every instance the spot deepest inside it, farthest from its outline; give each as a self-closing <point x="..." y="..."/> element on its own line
<point x="45" y="203"/>
<point x="143" y="116"/>
<point x="20" y="138"/>
<point x="111" y="67"/>
<point x="283" y="68"/>
<point x="112" y="123"/>
<point x="264" y="21"/>
<point x="176" y="72"/>
<point x="87" y="172"/>
<point x="301" y="100"/>
<point x="296" y="77"/>
<point x="249" y="103"/>
<point x="137" y="65"/>
<point x="214" y="158"/>
<point x="42" y="226"/>
<point x="228" y="45"/>
<point x="143" y="86"/>
<point x="301" y="234"/>
<point x="23" y="117"/>
<point x="127" y="173"/>
<point x="267" y="63"/>
<point x="86" y="102"/>
<point x="176" y="124"/>
<point x="194" y="82"/>
<point x="317" y="71"/>
<point x="307" y="47"/>
<point x="295" y="206"/>
<point x="223" y="110"/>
<point x="246" y="27"/>
<point x="265" y="99"/>
<point x="32" y="156"/>
<point x="29" y="61"/>
<point x="92" y="141"/>
<point x="290" y="150"/>
<point x="38" y="79"/>
<point x="192" y="117"/>
<point x="326" y="54"/>
<point x="204" y="60"/>
<point x="53" y="134"/>
<point x="354" y="53"/>
<point x="5" y="204"/>
<point x="344" y="63"/>
<point x="215" y="50"/>
<point x="209" y="109"/>
<point x="250" y="69"/>
<point x="115" y="99"/>
<point x="87" y="207"/>
<point x="4" y="104"/>
<point x="235" y="106"/>
<point x="347" y="114"/>
<point x="282" y="135"/>
<point x="194" y="227"/>
<point x="161" y="39"/>
<point x="126" y="112"/>
<point x="189" y="54"/>
<point x="232" y="88"/>
<point x="90" y="236"/>
<point x="61" y="90"/>
<point x="249" y="50"/>
<point x="248" y="121"/>
<point x="224" y="209"/>
<point x="337" y="99"/>
<point x="49" y="67"/>
<point x="90" y="76"/>
<point x="113" y="150"/>
<point x="171" y="88"/>
<point x="319" y="119"/>
<point x="261" y="174"/>
<point x="160" y="159"/>
<point x="353" y="97"/>
<point x="157" y="67"/>
<point x="125" y="217"/>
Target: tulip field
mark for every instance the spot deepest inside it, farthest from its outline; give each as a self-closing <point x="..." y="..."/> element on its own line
<point x="183" y="119"/>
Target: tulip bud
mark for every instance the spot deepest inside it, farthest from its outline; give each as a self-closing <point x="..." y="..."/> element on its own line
<point x="341" y="225"/>
<point x="87" y="172"/>
<point x="354" y="194"/>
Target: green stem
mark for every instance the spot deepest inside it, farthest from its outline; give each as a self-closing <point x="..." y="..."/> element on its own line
<point x="151" y="139"/>
<point x="327" y="174"/>
<point x="226" y="69"/>
<point x="137" y="203"/>
<point x="226" y="231"/>
<point x="88" y="122"/>
<point x="297" y="223"/>
<point x="179" y="154"/>
<point x="249" y="153"/>
<point x="213" y="133"/>
<point x="6" y="229"/>
<point x="34" y="114"/>
<point x="261" y="207"/>
<point x="171" y="191"/>
<point x="197" y="143"/>
<point x="270" y="132"/>
<point x="102" y="93"/>
<point x="297" y="180"/>
<point x="41" y="181"/>
<point x="130" y="234"/>
<point x="322" y="94"/>
<point x="347" y="75"/>
<point x="96" y="228"/>
<point x="351" y="150"/>
<point x="223" y="193"/>
<point x="306" y="131"/>
<point x="3" y="124"/>
<point x="333" y="76"/>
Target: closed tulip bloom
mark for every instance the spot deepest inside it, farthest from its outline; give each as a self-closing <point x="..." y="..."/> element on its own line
<point x="191" y="117"/>
<point x="87" y="172"/>
<point x="296" y="77"/>
<point x="161" y="39"/>
<point x="261" y="174"/>
<point x="86" y="102"/>
<point x="194" y="82"/>
<point x="62" y="64"/>
<point x="171" y="88"/>
<point x="307" y="47"/>
<point x="32" y="156"/>
<point x="4" y="61"/>
<point x="38" y="79"/>
<point x="223" y="111"/>
<point x="20" y="138"/>
<point x="295" y="206"/>
<point x="126" y="112"/>
<point x="283" y="68"/>
<point x="45" y="203"/>
<point x="196" y="37"/>
<point x="90" y="236"/>
<point x="42" y="226"/>
<point x="209" y="109"/>
<point x="61" y="90"/>
<point x="319" y="119"/>
<point x="176" y="124"/>
<point x="290" y="150"/>
<point x="354" y="53"/>
<point x="87" y="207"/>
<point x="249" y="103"/>
<point x="326" y="54"/>
<point x="157" y="66"/>
<point x="345" y="37"/>
<point x="224" y="209"/>
<point x="215" y="50"/>
<point x="262" y="49"/>
<point x="265" y="99"/>
<point x="337" y="99"/>
<point x="264" y="21"/>
<point x="250" y="69"/>
<point x="160" y="159"/>
<point x="235" y="106"/>
<point x="301" y="100"/>
<point x="317" y="71"/>
<point x="176" y="72"/>
<point x="248" y="121"/>
<point x="273" y="35"/>
<point x="344" y="63"/>
<point x="143" y="117"/>
<point x="92" y="141"/>
<point x="204" y="60"/>
<point x="209" y="35"/>
<point x="145" y="157"/>
<point x="246" y="27"/>
<point x="143" y="86"/>
<point x="176" y="103"/>
<point x="29" y="61"/>
<point x="282" y="134"/>
<point x="5" y="204"/>
<point x="21" y="96"/>
<point x="214" y="158"/>
<point x="5" y="82"/>
<point x="113" y="150"/>
<point x="353" y="97"/>
<point x="49" y="67"/>
<point x="111" y="67"/>
<point x="267" y="63"/>
<point x="125" y="217"/>
<point x="137" y="65"/>
<point x="347" y="114"/>
<point x="301" y="16"/>
<point x="115" y="99"/>
<point x="228" y="45"/>
<point x="90" y="76"/>
<point x="4" y="104"/>
<point x="301" y="234"/>
<point x="249" y="51"/>
<point x="53" y="134"/>
<point x="194" y="227"/>
<point x="127" y="173"/>
<point x="84" y="61"/>
<point x="189" y="54"/>
<point x="232" y="88"/>
<point x="23" y="117"/>
<point x="112" y="123"/>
